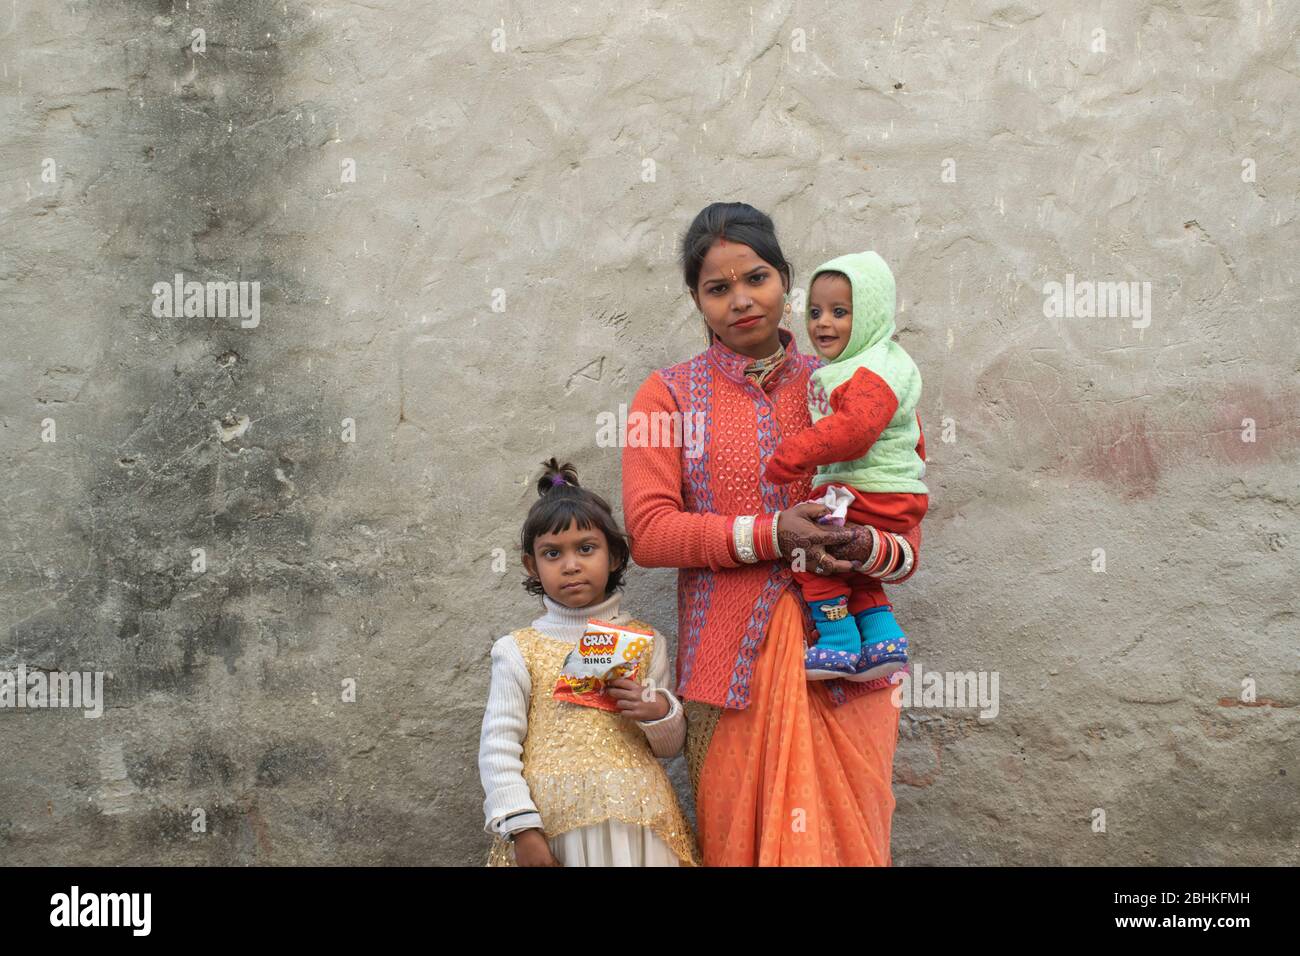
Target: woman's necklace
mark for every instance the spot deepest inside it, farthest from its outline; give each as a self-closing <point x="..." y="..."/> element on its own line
<point x="762" y="369"/>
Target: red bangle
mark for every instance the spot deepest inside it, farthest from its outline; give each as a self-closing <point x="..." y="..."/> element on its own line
<point x="898" y="553"/>
<point x="770" y="543"/>
<point x="731" y="539"/>
<point x="886" y="555"/>
<point x="867" y="569"/>
<point x="897" y="563"/>
<point x="763" y="537"/>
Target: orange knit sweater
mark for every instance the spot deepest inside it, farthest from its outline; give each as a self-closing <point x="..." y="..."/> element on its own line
<point x="680" y="502"/>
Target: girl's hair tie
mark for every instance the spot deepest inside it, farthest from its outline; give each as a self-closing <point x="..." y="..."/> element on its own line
<point x="557" y="480"/>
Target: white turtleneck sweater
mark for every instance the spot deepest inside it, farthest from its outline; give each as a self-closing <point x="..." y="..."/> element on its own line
<point x="505" y="722"/>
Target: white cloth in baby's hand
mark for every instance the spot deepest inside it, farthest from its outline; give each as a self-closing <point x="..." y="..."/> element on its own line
<point x="837" y="498"/>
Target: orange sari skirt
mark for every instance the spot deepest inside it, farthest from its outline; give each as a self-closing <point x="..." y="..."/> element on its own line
<point x="793" y="780"/>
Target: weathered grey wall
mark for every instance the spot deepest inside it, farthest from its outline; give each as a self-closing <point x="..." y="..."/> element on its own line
<point x="524" y="169"/>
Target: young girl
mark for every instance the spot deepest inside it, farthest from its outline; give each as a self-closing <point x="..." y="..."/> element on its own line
<point x="566" y="784"/>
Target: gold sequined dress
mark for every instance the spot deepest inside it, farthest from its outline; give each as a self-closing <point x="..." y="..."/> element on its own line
<point x="588" y="777"/>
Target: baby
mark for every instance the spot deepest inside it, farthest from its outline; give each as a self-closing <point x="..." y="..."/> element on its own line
<point x="868" y="453"/>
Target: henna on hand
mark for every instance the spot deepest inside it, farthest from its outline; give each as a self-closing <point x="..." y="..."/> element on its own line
<point x="856" y="547"/>
<point x="821" y="561"/>
<point x="797" y="527"/>
<point x="801" y="535"/>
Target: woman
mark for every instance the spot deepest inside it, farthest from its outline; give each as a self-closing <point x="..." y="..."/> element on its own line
<point x="785" y="772"/>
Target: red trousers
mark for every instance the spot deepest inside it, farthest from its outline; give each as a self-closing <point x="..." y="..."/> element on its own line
<point x="889" y="511"/>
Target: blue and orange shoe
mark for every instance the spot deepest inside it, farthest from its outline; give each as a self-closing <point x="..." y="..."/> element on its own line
<point x="826" y="663"/>
<point x="884" y="645"/>
<point x="836" y="652"/>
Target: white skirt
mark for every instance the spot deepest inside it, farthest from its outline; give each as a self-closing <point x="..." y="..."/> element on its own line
<point x="612" y="844"/>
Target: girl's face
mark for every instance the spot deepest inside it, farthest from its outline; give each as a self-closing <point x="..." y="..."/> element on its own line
<point x="830" y="314"/>
<point x="573" y="565"/>
<point x="741" y="298"/>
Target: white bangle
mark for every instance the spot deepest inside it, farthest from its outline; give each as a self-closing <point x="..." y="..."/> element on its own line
<point x="906" y="566"/>
<point x="875" y="549"/>
<point x="743" y="538"/>
<point x="776" y="541"/>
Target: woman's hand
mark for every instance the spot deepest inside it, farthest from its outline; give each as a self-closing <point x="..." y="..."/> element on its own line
<point x="856" y="548"/>
<point x="632" y="701"/>
<point x="531" y="849"/>
<point x="799" y="534"/>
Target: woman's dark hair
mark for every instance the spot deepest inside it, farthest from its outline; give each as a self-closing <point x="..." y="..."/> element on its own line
<point x="562" y="502"/>
<point x="735" y="222"/>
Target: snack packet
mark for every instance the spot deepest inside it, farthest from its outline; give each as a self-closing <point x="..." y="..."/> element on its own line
<point x="604" y="653"/>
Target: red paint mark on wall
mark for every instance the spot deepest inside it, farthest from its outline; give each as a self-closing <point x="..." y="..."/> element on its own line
<point x="1252" y="425"/>
<point x="1119" y="453"/>
<point x="259" y="829"/>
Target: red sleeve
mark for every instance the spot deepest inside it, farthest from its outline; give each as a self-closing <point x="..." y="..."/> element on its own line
<point x="664" y="535"/>
<point x="860" y="410"/>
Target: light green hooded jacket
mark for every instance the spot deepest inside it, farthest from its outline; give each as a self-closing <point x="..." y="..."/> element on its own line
<point x="892" y="463"/>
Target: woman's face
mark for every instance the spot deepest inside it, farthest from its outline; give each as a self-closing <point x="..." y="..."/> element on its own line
<point x="573" y="565"/>
<point x="741" y="298"/>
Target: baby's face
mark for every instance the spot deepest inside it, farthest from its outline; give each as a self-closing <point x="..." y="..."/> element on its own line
<point x="830" y="313"/>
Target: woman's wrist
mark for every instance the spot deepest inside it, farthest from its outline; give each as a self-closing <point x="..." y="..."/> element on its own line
<point x="754" y="538"/>
<point x="905" y="562"/>
<point x="764" y="539"/>
<point x="742" y="531"/>
<point x="883" y="555"/>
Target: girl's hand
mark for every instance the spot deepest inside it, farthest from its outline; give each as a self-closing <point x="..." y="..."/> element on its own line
<point x="531" y="849"/>
<point x="799" y="533"/>
<point x="632" y="700"/>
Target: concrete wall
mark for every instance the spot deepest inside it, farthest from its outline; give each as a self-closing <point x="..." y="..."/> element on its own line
<point x="984" y="148"/>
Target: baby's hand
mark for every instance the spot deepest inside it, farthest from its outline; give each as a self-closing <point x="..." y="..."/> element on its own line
<point x="778" y="472"/>
<point x="637" y="701"/>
